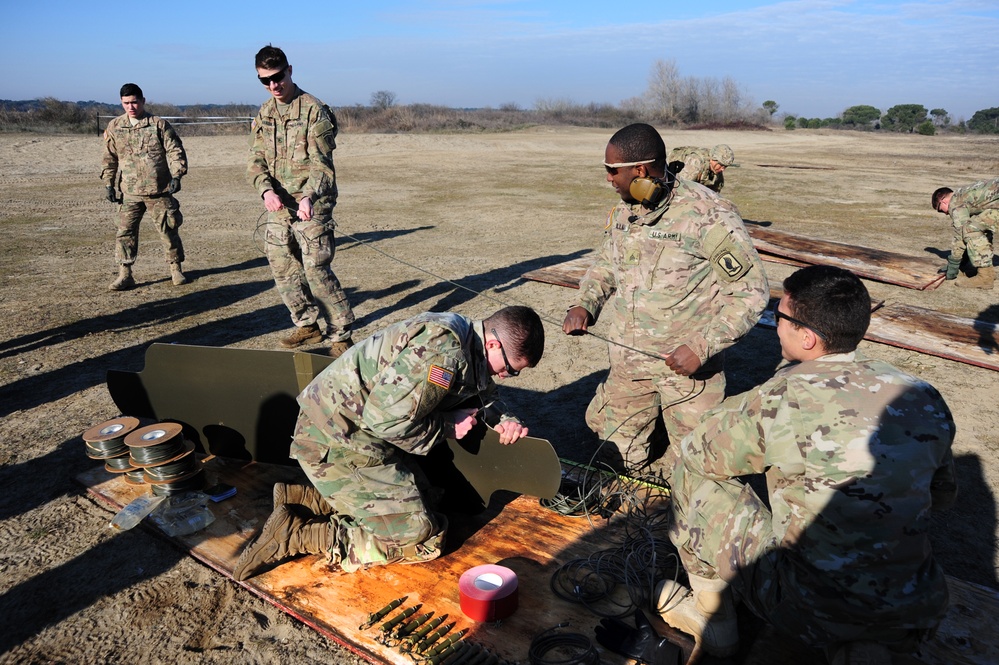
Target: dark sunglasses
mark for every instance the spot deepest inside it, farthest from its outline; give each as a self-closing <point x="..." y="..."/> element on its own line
<point x="510" y="371"/>
<point x="273" y="78"/>
<point x="778" y="315"/>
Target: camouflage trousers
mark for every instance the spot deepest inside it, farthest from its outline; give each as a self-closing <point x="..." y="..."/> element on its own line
<point x="721" y="528"/>
<point x="639" y="417"/>
<point x="978" y="244"/>
<point x="380" y="514"/>
<point x="164" y="212"/>
<point x="300" y="254"/>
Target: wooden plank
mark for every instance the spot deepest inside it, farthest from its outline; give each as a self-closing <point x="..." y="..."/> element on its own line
<point x="883" y="266"/>
<point x="927" y="331"/>
<point x="515" y="532"/>
<point x="970" y="341"/>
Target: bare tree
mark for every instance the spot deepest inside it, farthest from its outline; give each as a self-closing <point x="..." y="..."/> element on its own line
<point x="665" y="90"/>
<point x="383" y="99"/>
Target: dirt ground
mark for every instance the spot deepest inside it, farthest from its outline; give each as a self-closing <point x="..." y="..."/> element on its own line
<point x="429" y="222"/>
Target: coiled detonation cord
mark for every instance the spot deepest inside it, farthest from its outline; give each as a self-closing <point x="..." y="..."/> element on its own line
<point x="577" y="646"/>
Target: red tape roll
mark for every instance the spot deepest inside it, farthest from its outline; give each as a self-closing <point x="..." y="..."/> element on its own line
<point x="488" y="593"/>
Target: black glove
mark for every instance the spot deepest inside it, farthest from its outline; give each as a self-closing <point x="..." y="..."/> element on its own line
<point x="641" y="643"/>
<point x="111" y="196"/>
<point x="174" y="186"/>
<point x="952" y="268"/>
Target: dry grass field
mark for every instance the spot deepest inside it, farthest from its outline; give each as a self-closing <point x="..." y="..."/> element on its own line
<point x="425" y="222"/>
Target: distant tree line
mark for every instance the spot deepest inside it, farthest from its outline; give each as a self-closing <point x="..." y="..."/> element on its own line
<point x="670" y="100"/>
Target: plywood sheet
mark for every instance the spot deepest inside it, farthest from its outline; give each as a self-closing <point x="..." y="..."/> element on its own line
<point x="515" y="532"/>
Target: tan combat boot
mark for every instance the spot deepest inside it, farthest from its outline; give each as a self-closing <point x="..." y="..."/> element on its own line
<point x="985" y="278"/>
<point x="124" y="282"/>
<point x="337" y="349"/>
<point x="707" y="612"/>
<point x="302" y="335"/>
<point x="176" y="276"/>
<point x="307" y="496"/>
<point x="283" y="536"/>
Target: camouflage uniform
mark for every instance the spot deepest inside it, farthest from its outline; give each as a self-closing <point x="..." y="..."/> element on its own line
<point x="147" y="156"/>
<point x="697" y="166"/>
<point x="973" y="211"/>
<point x="856" y="453"/>
<point x="684" y="273"/>
<point x="293" y="156"/>
<point x="363" y="418"/>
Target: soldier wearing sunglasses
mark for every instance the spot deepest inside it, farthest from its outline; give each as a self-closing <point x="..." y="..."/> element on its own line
<point x="368" y="417"/>
<point x="291" y="168"/>
<point x="856" y="454"/>
<point x="677" y="281"/>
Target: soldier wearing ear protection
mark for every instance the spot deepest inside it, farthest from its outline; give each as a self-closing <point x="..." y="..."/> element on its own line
<point x="681" y="282"/>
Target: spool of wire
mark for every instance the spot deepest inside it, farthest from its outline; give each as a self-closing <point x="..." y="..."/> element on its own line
<point x="107" y="440"/>
<point x="156" y="444"/>
<point x="135" y="477"/>
<point x="175" y="470"/>
<point x="120" y="464"/>
<point x="190" y="483"/>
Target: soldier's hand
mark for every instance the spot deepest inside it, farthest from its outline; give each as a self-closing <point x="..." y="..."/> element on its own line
<point x="462" y="422"/>
<point x="683" y="361"/>
<point x="951" y="269"/>
<point x="174" y="185"/>
<point x="272" y="201"/>
<point x="510" y="431"/>
<point x="111" y="196"/>
<point x="305" y="209"/>
<point x="576" y="321"/>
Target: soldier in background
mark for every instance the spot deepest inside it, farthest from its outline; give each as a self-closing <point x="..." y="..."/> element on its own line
<point x="291" y="168"/>
<point x="974" y="213"/>
<point x="683" y="282"/>
<point x="147" y="154"/>
<point x="702" y="166"/>
<point x="395" y="395"/>
<point x="856" y="453"/>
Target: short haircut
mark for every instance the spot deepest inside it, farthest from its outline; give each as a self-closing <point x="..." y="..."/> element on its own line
<point x="131" y="90"/>
<point x="271" y="57"/>
<point x="521" y="328"/>
<point x="639" y="142"/>
<point x="939" y="194"/>
<point x="833" y="301"/>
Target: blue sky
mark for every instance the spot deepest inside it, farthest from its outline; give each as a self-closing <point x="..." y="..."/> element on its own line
<point x="814" y="57"/>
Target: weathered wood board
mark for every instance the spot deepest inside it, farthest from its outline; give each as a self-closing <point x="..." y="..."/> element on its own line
<point x="914" y="272"/>
<point x="515" y="532"/>
<point x="965" y="340"/>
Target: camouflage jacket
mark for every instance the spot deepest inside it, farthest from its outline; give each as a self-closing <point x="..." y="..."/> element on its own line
<point x="392" y="388"/>
<point x="856" y="453"/>
<point x="147" y="155"/>
<point x="697" y="166"/>
<point x="967" y="202"/>
<point x="293" y="155"/>
<point x="684" y="273"/>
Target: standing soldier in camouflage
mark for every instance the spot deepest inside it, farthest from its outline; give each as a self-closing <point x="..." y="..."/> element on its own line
<point x="973" y="210"/>
<point x="684" y="283"/>
<point x="702" y="166"/>
<point x="291" y="168"/>
<point x="147" y="154"/>
<point x="397" y="394"/>
<point x="856" y="453"/>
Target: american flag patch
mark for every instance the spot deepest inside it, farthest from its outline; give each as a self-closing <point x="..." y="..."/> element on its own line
<point x="440" y="376"/>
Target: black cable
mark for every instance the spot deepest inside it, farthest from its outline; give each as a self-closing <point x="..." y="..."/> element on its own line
<point x="577" y="646"/>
